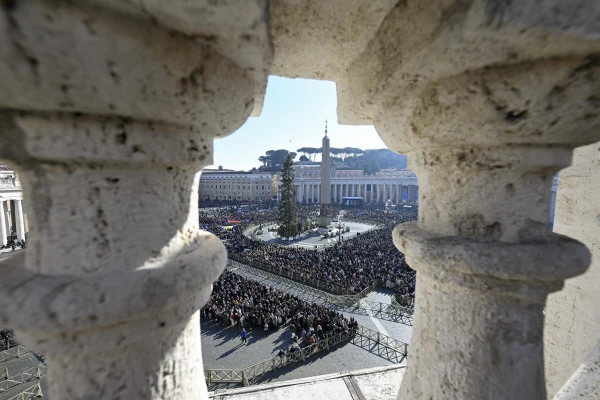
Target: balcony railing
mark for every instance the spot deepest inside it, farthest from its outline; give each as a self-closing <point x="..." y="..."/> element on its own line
<point x="9" y="182"/>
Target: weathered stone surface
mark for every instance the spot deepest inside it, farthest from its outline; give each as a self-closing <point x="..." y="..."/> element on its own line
<point x="585" y="382"/>
<point x="572" y="318"/>
<point x="63" y="56"/>
<point x="108" y="111"/>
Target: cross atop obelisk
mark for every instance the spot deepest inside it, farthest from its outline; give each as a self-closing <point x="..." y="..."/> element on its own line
<point x="325" y="128"/>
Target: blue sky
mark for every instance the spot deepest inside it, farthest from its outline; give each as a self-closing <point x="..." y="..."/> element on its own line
<point x="293" y="116"/>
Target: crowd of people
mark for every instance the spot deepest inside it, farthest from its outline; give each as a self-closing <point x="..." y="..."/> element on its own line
<point x="14" y="244"/>
<point x="7" y="339"/>
<point x="249" y="305"/>
<point x="352" y="264"/>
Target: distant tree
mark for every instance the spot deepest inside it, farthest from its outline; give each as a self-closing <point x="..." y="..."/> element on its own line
<point x="263" y="160"/>
<point x="304" y="158"/>
<point x="287" y="213"/>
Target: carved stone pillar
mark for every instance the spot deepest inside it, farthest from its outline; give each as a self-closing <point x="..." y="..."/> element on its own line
<point x="108" y="115"/>
<point x="485" y="258"/>
<point x="487" y="117"/>
<point x="20" y="219"/>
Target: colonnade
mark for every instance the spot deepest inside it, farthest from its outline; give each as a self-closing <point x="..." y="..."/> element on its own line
<point x="370" y="192"/>
<point x="5" y="220"/>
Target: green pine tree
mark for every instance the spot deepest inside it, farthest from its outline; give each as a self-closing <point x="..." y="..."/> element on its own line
<point x="288" y="214"/>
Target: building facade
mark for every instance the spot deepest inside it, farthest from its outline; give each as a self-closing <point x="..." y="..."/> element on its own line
<point x="237" y="185"/>
<point x="13" y="219"/>
<point x="395" y="185"/>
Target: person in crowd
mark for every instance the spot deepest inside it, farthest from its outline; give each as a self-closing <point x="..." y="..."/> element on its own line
<point x="352" y="265"/>
<point x="244" y="340"/>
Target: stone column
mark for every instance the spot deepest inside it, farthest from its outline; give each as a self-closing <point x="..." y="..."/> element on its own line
<point x="3" y="232"/>
<point x="398" y="200"/>
<point x="20" y="219"/>
<point x="481" y="246"/>
<point x="411" y="193"/>
<point x="108" y="120"/>
<point x="378" y="192"/>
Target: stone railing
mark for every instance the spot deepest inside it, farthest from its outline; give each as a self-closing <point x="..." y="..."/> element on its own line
<point x="247" y="375"/>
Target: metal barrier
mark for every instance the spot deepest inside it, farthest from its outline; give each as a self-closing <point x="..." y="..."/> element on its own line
<point x="340" y="300"/>
<point x="32" y="392"/>
<point x="14" y="352"/>
<point x="247" y="375"/>
<point x="397" y="312"/>
<point x="22" y="377"/>
<point x="381" y="344"/>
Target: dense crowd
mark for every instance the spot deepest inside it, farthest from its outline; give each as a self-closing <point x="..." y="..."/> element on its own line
<point x="352" y="264"/>
<point x="249" y="305"/>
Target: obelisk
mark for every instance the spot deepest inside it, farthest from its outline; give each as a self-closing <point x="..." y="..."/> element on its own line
<point x="325" y="212"/>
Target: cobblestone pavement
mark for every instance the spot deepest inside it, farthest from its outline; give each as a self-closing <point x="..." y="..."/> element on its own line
<point x="222" y="348"/>
<point x="312" y="240"/>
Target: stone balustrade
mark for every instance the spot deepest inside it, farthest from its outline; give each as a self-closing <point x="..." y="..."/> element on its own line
<point x="108" y="111"/>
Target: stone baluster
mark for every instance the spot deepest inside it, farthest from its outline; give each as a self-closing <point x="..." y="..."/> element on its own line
<point x="488" y="103"/>
<point x="485" y="258"/>
<point x="108" y="115"/>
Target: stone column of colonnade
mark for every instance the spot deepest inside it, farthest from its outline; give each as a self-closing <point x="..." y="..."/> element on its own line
<point x="493" y="102"/>
<point x="108" y="115"/>
<point x="20" y="219"/>
<point x="3" y="230"/>
<point x="411" y="192"/>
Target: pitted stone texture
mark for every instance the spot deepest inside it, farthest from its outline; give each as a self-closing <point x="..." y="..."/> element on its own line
<point x="236" y="29"/>
<point x="425" y="42"/>
<point x="476" y="344"/>
<point x="585" y="382"/>
<point x="319" y="40"/>
<point x="532" y="103"/>
<point x="125" y="188"/>
<point x="158" y="358"/>
<point x="487" y="192"/>
<point x="572" y="318"/>
<point x="65" y="56"/>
